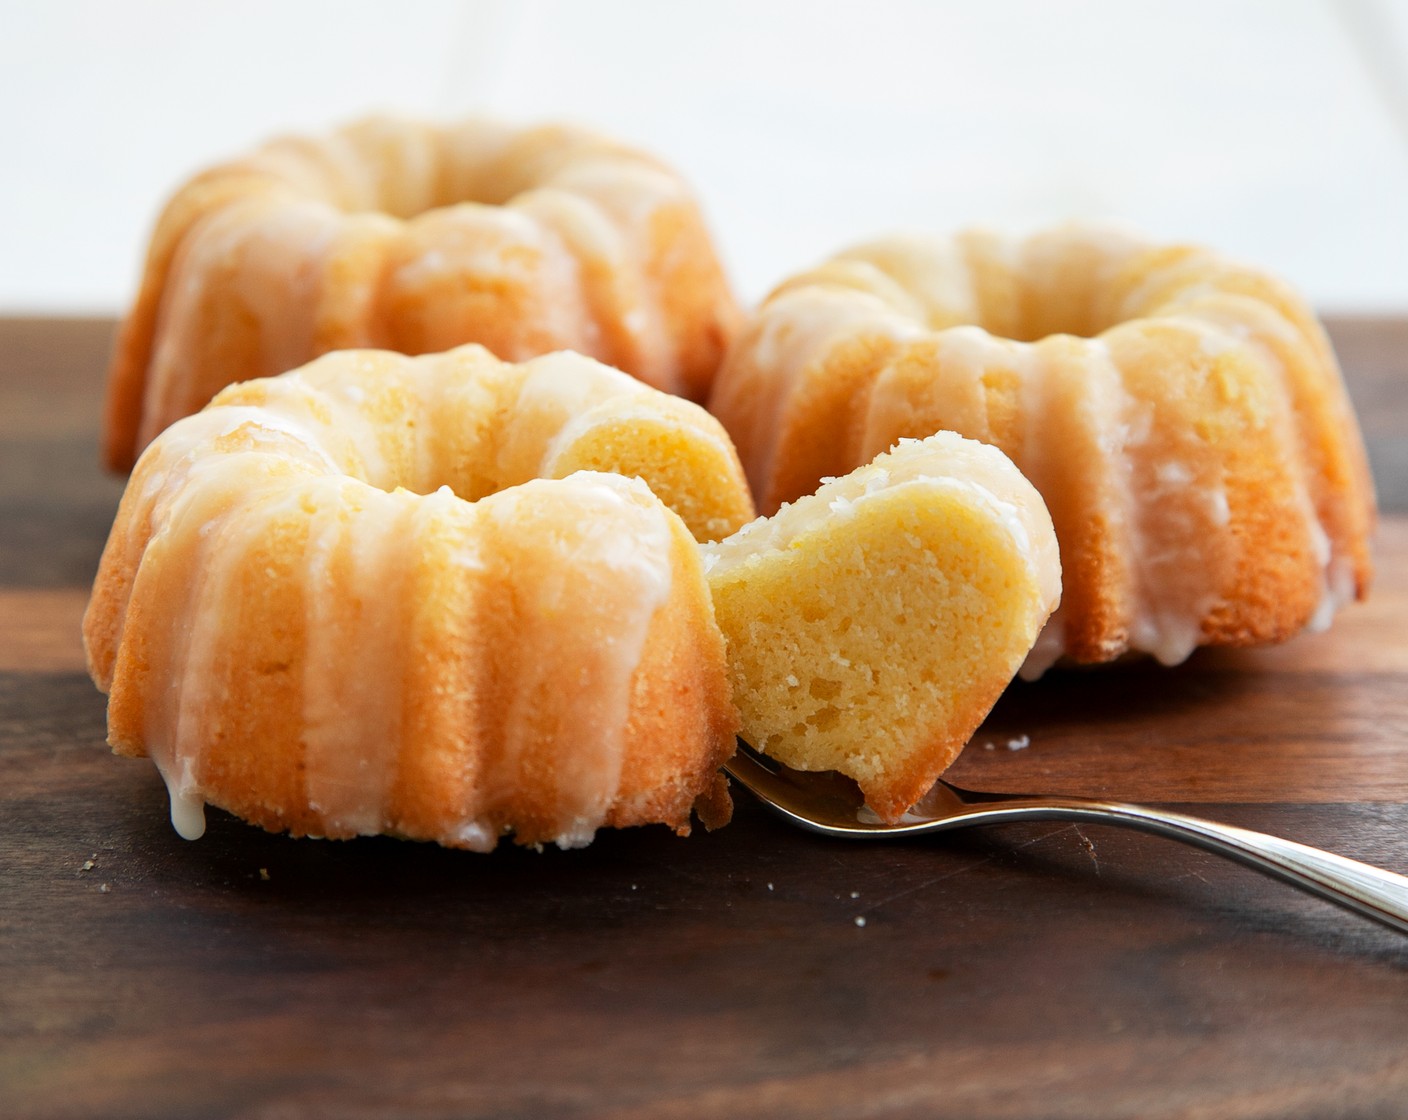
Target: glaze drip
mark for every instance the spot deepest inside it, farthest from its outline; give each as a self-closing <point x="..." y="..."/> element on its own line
<point x="358" y="541"/>
<point x="609" y="570"/>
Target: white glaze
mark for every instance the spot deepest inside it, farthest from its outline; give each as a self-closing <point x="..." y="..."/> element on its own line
<point x="1175" y="585"/>
<point x="247" y="242"/>
<point x="930" y="271"/>
<point x="205" y="515"/>
<point x="192" y="516"/>
<point x="553" y="391"/>
<point x="1048" y="649"/>
<point x="609" y="570"/>
<point x="794" y="338"/>
<point x="359" y="543"/>
<point x="187" y="806"/>
<point x="622" y="294"/>
<point x="1337" y="582"/>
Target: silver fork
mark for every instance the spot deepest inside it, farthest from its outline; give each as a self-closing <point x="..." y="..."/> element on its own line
<point x="832" y="805"/>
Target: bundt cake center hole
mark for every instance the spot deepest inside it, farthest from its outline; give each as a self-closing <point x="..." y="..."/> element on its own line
<point x="1032" y="322"/>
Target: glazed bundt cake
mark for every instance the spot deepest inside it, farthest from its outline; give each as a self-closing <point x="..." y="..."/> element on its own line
<point x="415" y="238"/>
<point x="1183" y="417"/>
<point x="339" y="602"/>
<point x="872" y="625"/>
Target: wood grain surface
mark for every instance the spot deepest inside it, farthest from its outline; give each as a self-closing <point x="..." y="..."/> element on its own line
<point x="1023" y="971"/>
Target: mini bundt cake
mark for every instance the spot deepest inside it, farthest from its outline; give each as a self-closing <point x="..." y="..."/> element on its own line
<point x="872" y="625"/>
<point x="1183" y="417"/>
<point x="339" y="602"/>
<point x="415" y="238"/>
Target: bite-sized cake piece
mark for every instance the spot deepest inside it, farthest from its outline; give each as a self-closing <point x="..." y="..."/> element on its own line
<point x="417" y="238"/>
<point x="872" y="625"/>
<point x="1182" y="415"/>
<point x="342" y="602"/>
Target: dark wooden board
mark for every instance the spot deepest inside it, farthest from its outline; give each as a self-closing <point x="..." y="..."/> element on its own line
<point x="1024" y="971"/>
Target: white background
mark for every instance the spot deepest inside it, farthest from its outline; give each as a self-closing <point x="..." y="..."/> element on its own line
<point x="1276" y="130"/>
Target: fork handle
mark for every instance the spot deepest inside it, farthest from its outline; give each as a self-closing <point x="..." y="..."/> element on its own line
<point x="1371" y="891"/>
